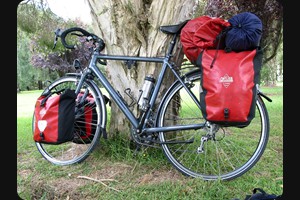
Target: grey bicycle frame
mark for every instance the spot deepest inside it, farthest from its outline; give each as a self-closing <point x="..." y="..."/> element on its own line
<point x="139" y="124"/>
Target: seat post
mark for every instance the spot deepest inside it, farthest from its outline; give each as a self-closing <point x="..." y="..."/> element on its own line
<point x="172" y="45"/>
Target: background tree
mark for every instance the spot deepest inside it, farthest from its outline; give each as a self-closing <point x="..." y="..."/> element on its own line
<point x="36" y="25"/>
<point x="131" y="27"/>
<point x="24" y="74"/>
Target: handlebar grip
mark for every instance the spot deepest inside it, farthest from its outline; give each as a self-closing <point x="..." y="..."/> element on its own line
<point x="64" y="33"/>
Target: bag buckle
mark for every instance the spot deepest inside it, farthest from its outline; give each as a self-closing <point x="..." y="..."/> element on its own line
<point x="226" y="113"/>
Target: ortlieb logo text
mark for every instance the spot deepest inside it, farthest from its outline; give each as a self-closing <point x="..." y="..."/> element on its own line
<point x="226" y="80"/>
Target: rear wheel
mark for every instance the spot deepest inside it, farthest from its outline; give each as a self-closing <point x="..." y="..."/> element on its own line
<point x="83" y="144"/>
<point x="217" y="152"/>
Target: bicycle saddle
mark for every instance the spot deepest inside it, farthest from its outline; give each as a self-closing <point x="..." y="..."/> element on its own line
<point x="173" y="29"/>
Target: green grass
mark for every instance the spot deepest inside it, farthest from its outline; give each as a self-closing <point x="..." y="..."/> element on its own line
<point x="147" y="175"/>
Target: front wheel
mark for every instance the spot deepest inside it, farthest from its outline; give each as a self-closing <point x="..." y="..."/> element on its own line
<point x="231" y="152"/>
<point x="87" y="126"/>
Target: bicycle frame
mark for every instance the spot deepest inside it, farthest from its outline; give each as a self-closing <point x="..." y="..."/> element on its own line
<point x="139" y="124"/>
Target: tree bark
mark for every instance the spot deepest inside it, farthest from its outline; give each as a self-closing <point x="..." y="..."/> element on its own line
<point x="131" y="27"/>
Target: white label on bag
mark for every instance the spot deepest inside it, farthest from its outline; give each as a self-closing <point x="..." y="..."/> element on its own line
<point x="42" y="124"/>
<point x="226" y="80"/>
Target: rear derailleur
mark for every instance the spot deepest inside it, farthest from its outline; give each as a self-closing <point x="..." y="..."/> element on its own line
<point x="211" y="134"/>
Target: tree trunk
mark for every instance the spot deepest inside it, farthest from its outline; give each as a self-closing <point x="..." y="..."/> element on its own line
<point x="131" y="27"/>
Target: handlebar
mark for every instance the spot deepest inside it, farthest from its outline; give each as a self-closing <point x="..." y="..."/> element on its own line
<point x="90" y="37"/>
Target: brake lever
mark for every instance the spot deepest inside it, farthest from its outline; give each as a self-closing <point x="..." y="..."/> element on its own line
<point x="57" y="35"/>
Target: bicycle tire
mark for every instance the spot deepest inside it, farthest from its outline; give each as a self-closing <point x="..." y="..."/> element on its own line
<point x="75" y="152"/>
<point x="235" y="151"/>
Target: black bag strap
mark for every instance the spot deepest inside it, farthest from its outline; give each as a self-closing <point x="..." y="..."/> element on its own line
<point x="48" y="94"/>
<point x="219" y="38"/>
<point x="260" y="190"/>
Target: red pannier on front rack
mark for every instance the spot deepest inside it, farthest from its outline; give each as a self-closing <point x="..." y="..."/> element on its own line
<point x="229" y="86"/>
<point x="54" y="117"/>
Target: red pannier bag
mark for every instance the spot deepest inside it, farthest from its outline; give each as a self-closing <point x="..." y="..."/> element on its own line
<point x="201" y="33"/>
<point x="54" y="117"/>
<point x="228" y="91"/>
<point x="85" y="119"/>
